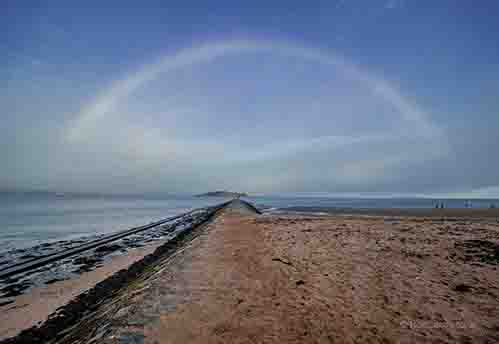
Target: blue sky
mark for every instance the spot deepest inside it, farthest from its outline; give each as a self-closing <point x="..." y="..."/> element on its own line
<point x="392" y="96"/>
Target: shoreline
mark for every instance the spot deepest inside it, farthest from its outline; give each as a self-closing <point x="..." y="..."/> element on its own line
<point x="35" y="306"/>
<point x="309" y="279"/>
<point x="72" y="297"/>
<point x="41" y="265"/>
<point x="473" y="213"/>
<point x="316" y="276"/>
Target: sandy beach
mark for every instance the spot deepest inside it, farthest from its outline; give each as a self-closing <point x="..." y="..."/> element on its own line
<point x="248" y="278"/>
<point x="245" y="172"/>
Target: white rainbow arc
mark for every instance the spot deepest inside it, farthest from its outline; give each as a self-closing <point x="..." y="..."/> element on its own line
<point x="109" y="98"/>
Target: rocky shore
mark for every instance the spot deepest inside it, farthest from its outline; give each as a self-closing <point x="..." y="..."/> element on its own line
<point x="103" y="268"/>
<point x="76" y="265"/>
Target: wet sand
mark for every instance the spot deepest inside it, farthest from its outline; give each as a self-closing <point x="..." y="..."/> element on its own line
<point x="246" y="278"/>
<point x="61" y="292"/>
<point x="35" y="306"/>
<point x="447" y="214"/>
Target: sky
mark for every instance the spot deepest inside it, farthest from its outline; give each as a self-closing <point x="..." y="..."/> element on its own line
<point x="360" y="97"/>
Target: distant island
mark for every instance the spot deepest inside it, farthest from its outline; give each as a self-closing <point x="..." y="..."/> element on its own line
<point x="226" y="194"/>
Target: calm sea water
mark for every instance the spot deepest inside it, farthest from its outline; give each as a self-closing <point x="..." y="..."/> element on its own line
<point x="27" y="219"/>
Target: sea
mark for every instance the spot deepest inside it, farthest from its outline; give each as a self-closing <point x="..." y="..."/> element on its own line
<point x="32" y="218"/>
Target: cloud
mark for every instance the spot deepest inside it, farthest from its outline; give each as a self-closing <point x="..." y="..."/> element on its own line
<point x="349" y="164"/>
<point x="111" y="145"/>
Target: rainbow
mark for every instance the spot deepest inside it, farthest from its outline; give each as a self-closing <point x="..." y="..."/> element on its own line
<point x="90" y="115"/>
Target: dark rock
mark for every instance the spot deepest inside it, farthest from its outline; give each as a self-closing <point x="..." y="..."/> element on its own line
<point x="54" y="280"/>
<point x="300" y="282"/>
<point x="108" y="248"/>
<point x="76" y="241"/>
<point x="134" y="244"/>
<point x="463" y="288"/>
<point x="86" y="261"/>
<point x="82" y="269"/>
<point x="169" y="228"/>
<point x="14" y="289"/>
<point x="5" y="303"/>
<point x="481" y="250"/>
<point x="28" y="256"/>
<point x="282" y="261"/>
<point x="11" y="279"/>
